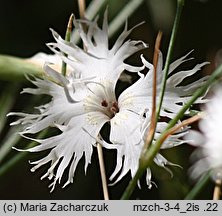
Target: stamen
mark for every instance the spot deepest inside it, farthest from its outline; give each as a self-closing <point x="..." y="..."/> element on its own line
<point x="114" y="109"/>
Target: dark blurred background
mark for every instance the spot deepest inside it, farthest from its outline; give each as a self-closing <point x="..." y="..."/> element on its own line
<point x="24" y="30"/>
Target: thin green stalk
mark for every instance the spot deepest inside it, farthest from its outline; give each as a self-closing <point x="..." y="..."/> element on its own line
<point x="5" y="167"/>
<point x="132" y="184"/>
<point x="126" y="12"/>
<point x="212" y="79"/>
<point x="93" y="8"/>
<point x="198" y="187"/>
<point x="67" y="38"/>
<point x="6" y="102"/>
<point x="180" y="4"/>
<point x="154" y="149"/>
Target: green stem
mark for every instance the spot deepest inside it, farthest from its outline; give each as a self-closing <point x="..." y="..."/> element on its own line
<point x="180" y="4"/>
<point x="198" y="187"/>
<point x="212" y="79"/>
<point x="67" y="38"/>
<point x="153" y="150"/>
<point x="93" y="8"/>
<point x="126" y="12"/>
<point x="132" y="184"/>
<point x="167" y="65"/>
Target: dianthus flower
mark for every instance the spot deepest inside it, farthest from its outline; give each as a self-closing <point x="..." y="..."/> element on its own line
<point x="84" y="100"/>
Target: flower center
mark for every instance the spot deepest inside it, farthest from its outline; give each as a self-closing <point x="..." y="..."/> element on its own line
<point x="111" y="107"/>
<point x="104" y="103"/>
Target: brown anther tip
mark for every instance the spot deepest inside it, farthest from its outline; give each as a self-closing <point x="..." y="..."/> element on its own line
<point x="114" y="109"/>
<point x="69" y="26"/>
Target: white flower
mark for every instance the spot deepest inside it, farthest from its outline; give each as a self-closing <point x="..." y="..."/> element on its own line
<point x="81" y="121"/>
<point x="72" y="97"/>
<point x="83" y="101"/>
<point x="208" y="155"/>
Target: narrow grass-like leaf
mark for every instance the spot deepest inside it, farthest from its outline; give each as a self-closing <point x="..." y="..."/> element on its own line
<point x="10" y="140"/>
<point x="198" y="187"/>
<point x="125" y="13"/>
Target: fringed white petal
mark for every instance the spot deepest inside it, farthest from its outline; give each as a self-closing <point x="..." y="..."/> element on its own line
<point x="98" y="60"/>
<point x="125" y="133"/>
<point x="69" y="147"/>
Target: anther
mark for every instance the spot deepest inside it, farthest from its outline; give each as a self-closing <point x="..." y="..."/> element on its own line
<point x="114" y="109"/>
<point x="104" y="103"/>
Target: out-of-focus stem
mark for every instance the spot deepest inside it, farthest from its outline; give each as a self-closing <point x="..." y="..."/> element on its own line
<point x="217" y="189"/>
<point x="198" y="187"/>
<point x="102" y="171"/>
<point x="82" y="8"/>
